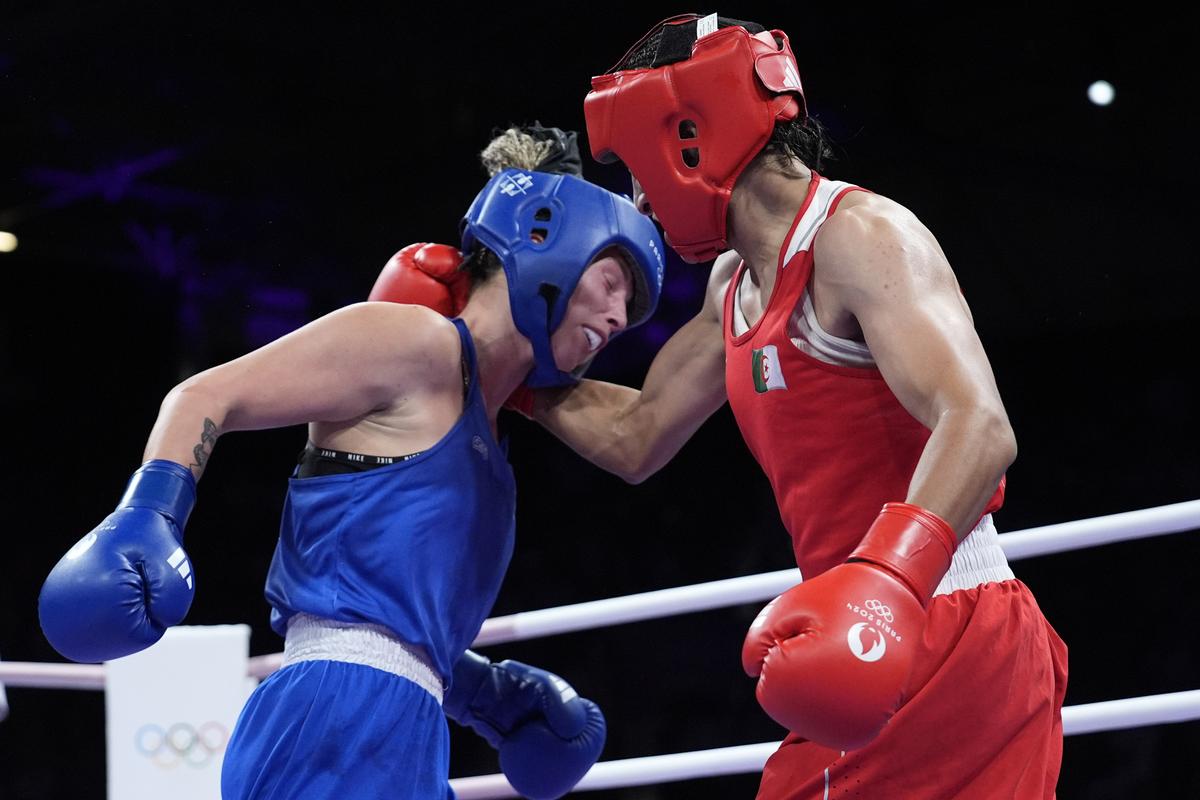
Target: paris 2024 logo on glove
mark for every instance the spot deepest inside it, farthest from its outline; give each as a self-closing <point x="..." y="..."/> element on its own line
<point x="868" y="639"/>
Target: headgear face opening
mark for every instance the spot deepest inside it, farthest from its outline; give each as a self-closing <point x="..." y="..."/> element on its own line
<point x="547" y="230"/>
<point x="688" y="124"/>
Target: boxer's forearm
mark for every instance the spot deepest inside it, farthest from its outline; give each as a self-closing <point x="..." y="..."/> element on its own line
<point x="189" y="422"/>
<point x="596" y="420"/>
<point x="962" y="464"/>
<point x="634" y="433"/>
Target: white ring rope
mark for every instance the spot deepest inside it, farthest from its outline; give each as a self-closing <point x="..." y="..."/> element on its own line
<point x="636" y="607"/>
<point x="687" y="599"/>
<point x="765" y="586"/>
<point x="1092" y="717"/>
<point x="52" y="676"/>
<point x="1088" y="718"/>
<point x="1096" y="531"/>
<point x="637" y="771"/>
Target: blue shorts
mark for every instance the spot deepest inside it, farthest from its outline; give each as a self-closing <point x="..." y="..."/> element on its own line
<point x="330" y="730"/>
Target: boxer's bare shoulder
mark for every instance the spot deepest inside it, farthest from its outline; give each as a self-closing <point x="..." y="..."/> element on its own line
<point x="419" y="371"/>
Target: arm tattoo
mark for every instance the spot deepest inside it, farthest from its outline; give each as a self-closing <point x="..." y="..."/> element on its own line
<point x="203" y="450"/>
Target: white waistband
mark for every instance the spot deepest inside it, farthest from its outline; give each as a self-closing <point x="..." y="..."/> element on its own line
<point x="979" y="559"/>
<point x="312" y="638"/>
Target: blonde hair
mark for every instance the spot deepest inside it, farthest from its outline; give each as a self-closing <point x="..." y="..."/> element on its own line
<point x="514" y="149"/>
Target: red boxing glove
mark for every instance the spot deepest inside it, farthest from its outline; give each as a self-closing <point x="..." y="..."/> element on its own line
<point x="833" y="655"/>
<point x="426" y="275"/>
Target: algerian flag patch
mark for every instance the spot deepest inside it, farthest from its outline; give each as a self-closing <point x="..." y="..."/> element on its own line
<point x="768" y="374"/>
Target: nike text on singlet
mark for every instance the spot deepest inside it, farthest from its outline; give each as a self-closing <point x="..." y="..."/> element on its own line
<point x="317" y="461"/>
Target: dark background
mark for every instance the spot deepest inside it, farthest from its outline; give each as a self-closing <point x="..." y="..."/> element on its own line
<point x="189" y="182"/>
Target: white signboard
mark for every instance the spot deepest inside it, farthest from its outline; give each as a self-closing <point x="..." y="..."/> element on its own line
<point x="170" y="710"/>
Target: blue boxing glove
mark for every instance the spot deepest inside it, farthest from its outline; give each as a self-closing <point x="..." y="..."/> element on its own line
<point x="121" y="586"/>
<point x="547" y="735"/>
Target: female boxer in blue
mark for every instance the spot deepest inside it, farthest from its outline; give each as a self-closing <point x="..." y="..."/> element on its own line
<point x="398" y="525"/>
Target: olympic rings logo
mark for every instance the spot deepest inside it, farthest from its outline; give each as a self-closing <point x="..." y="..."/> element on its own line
<point x="180" y="743"/>
<point x="876" y="607"/>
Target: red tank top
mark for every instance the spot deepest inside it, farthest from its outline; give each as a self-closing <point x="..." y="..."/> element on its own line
<point x="834" y="441"/>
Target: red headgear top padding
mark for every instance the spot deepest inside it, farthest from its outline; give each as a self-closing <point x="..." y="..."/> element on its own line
<point x="690" y="121"/>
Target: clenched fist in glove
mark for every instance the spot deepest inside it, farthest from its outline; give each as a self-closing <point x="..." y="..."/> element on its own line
<point x="123" y="584"/>
<point x="425" y="275"/>
<point x="428" y="275"/>
<point x="833" y="655"/>
<point x="548" y="736"/>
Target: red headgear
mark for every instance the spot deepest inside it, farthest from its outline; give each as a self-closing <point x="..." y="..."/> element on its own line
<point x="690" y="122"/>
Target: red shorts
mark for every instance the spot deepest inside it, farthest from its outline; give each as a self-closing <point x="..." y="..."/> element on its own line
<point x="983" y="720"/>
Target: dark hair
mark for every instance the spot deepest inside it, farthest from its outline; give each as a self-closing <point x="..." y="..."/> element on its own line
<point x="480" y="264"/>
<point x="802" y="139"/>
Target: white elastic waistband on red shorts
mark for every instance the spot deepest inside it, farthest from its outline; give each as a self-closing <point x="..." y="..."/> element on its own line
<point x="312" y="638"/>
<point x="979" y="559"/>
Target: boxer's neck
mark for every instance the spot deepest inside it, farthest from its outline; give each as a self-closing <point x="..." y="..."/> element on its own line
<point x="504" y="354"/>
<point x="761" y="211"/>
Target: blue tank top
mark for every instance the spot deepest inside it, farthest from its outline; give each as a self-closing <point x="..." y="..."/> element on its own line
<point x="419" y="547"/>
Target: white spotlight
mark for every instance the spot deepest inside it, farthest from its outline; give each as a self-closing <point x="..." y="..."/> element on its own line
<point x="8" y="242"/>
<point x="1101" y="93"/>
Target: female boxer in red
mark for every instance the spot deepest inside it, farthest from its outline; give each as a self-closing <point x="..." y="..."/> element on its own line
<point x="910" y="663"/>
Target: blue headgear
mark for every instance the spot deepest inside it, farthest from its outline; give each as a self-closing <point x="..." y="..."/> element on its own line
<point x="546" y="230"/>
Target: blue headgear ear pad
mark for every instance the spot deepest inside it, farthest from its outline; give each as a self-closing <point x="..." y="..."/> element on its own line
<point x="546" y="230"/>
